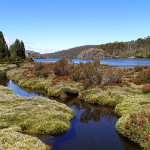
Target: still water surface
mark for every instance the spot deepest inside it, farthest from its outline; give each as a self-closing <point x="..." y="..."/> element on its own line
<point x="105" y="61"/>
<point x="92" y="128"/>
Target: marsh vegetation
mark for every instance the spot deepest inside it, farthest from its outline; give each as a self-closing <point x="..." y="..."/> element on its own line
<point x="125" y="89"/>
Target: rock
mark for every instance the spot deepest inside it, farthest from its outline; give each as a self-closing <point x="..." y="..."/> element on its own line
<point x="92" y="53"/>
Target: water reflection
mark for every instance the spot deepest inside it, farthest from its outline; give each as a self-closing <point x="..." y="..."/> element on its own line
<point x="3" y="79"/>
<point x="89" y="112"/>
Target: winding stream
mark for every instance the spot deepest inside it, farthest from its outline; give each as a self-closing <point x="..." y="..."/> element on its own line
<point x="92" y="128"/>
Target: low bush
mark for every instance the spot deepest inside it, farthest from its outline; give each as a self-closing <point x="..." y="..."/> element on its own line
<point x="144" y="75"/>
<point x="139" y="68"/>
<point x="137" y="81"/>
<point x="88" y="72"/>
<point x="111" y="75"/>
<point x="146" y="88"/>
<point x="62" y="67"/>
<point x="136" y="127"/>
<point x="42" y="69"/>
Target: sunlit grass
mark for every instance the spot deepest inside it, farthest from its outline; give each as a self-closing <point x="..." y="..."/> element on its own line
<point x="34" y="115"/>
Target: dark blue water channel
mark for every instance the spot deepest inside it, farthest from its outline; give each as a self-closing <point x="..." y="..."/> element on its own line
<point x="93" y="128"/>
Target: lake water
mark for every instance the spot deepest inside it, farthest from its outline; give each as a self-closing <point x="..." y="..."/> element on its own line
<point x="105" y="61"/>
<point x="92" y="128"/>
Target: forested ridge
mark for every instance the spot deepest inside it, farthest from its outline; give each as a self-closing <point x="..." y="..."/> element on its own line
<point x="139" y="48"/>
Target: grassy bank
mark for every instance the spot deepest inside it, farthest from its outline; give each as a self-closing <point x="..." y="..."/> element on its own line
<point x="133" y="107"/>
<point x="5" y="67"/>
<point x="34" y="115"/>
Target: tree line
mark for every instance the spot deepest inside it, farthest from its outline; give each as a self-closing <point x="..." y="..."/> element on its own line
<point x="15" y="51"/>
<point x="139" y="48"/>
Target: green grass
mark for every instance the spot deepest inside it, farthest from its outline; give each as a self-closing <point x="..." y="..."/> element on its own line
<point x="102" y="97"/>
<point x="59" y="89"/>
<point x="34" y="115"/>
<point x="12" y="138"/>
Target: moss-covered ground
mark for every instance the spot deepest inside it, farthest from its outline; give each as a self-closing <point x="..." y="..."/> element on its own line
<point x="34" y="115"/>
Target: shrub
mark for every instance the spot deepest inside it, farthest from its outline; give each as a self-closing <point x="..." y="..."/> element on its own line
<point x="137" y="81"/>
<point x="139" y="68"/>
<point x="89" y="72"/>
<point x="146" y="88"/>
<point x="43" y="69"/>
<point x="38" y="66"/>
<point x="85" y="83"/>
<point x="61" y="67"/>
<point x="144" y="75"/>
<point x="111" y="75"/>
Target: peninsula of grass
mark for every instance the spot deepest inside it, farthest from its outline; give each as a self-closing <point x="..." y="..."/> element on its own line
<point x="35" y="115"/>
<point x="127" y="90"/>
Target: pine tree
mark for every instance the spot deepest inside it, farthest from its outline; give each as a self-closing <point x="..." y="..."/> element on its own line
<point x="22" y="50"/>
<point x="13" y="52"/>
<point x="3" y="46"/>
<point x="17" y="49"/>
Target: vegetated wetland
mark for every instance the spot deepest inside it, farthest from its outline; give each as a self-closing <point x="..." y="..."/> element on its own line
<point x="92" y="127"/>
<point x="79" y="86"/>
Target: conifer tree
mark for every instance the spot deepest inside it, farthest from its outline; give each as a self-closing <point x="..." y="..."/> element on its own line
<point x="17" y="49"/>
<point x="3" y="46"/>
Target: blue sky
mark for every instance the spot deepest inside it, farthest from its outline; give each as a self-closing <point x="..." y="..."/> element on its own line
<point x="51" y="25"/>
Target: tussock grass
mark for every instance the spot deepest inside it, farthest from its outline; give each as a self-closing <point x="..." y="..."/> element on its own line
<point x="34" y="115"/>
<point x="13" y="139"/>
<point x="59" y="89"/>
<point x="106" y="98"/>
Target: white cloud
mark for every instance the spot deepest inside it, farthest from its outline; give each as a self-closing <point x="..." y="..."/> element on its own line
<point x="40" y="50"/>
<point x="28" y="47"/>
<point x="8" y="41"/>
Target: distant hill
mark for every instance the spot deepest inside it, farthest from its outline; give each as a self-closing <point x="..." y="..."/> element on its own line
<point x="72" y="52"/>
<point x="139" y="48"/>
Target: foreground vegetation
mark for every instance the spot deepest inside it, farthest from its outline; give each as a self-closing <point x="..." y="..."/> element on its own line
<point x="34" y="115"/>
<point x="132" y="105"/>
<point x="126" y="90"/>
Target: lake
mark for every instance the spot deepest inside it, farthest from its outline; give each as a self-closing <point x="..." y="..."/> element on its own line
<point x="92" y="128"/>
<point x="105" y="61"/>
